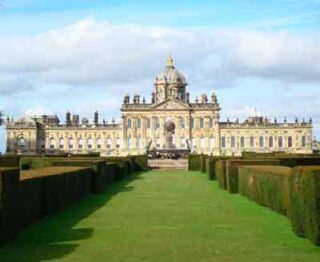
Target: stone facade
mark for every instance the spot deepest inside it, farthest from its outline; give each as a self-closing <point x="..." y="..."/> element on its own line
<point x="193" y="125"/>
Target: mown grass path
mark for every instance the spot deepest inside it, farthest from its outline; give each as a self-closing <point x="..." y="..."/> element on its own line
<point x="162" y="216"/>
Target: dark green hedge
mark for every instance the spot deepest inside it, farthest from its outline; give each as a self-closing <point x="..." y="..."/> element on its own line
<point x="267" y="185"/>
<point x="305" y="203"/>
<point x="232" y="170"/>
<point x="44" y="195"/>
<point x="9" y="161"/>
<point x="211" y="167"/>
<point x="194" y="162"/>
<point x="220" y="171"/>
<point x="9" y="189"/>
<point x="203" y="163"/>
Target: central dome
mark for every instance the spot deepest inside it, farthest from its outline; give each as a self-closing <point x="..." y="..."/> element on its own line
<point x="170" y="75"/>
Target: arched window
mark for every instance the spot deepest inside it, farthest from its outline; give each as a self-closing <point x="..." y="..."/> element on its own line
<point x="22" y="144"/>
<point x="280" y="141"/>
<point x="80" y="143"/>
<point x="261" y="141"/>
<point x="303" y="141"/>
<point x="61" y="142"/>
<point x="290" y="141"/>
<point x="52" y="143"/>
<point x="70" y="143"/>
<point x="99" y="143"/>
<point x="270" y="141"/>
<point x="251" y="141"/>
<point x="242" y="141"/>
<point x="129" y="123"/>
<point x="223" y="141"/>
<point x="90" y="143"/>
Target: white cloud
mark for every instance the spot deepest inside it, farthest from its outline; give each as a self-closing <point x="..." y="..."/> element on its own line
<point x="91" y="52"/>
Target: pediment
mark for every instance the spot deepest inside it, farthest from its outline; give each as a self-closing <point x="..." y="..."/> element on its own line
<point x="170" y="104"/>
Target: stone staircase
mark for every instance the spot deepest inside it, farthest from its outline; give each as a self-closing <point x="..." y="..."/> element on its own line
<point x="168" y="164"/>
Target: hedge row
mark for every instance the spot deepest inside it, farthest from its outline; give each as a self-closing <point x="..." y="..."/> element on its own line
<point x="43" y="191"/>
<point x="266" y="185"/>
<point x="231" y="170"/>
<point x="294" y="192"/>
<point x="305" y="202"/>
<point x="46" y="194"/>
<point x="9" y="189"/>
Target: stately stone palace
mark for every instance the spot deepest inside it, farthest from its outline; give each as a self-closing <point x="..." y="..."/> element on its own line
<point x="171" y="120"/>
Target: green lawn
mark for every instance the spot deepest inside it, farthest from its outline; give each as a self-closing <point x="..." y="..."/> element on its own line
<point x="162" y="216"/>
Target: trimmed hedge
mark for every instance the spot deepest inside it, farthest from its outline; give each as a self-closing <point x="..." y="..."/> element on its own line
<point x="232" y="170"/>
<point x="9" y="189"/>
<point x="9" y="161"/>
<point x="305" y="202"/>
<point x="46" y="194"/>
<point x="211" y="168"/>
<point x="203" y="161"/>
<point x="194" y="162"/>
<point x="220" y="170"/>
<point x="267" y="185"/>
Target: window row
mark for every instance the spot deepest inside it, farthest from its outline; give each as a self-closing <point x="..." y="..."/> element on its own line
<point x="262" y="142"/>
<point x="182" y="123"/>
<point x="71" y="143"/>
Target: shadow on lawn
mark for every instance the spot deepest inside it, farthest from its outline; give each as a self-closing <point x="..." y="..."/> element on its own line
<point x="49" y="238"/>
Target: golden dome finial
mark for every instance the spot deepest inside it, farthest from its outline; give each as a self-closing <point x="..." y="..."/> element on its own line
<point x="170" y="61"/>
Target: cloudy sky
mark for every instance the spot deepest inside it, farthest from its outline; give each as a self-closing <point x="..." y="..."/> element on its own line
<point x="82" y="56"/>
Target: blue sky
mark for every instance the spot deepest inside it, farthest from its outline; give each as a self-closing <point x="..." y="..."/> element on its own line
<point x="84" y="56"/>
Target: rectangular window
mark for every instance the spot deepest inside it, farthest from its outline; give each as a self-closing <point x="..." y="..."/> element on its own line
<point x="261" y="141"/>
<point x="201" y="123"/>
<point x="233" y="141"/>
<point x="148" y="123"/>
<point x="138" y="123"/>
<point x="182" y="123"/>
<point x="223" y="142"/>
<point x="251" y="141"/>
<point x="211" y="122"/>
<point x="156" y="123"/>
<point x="191" y="122"/>
<point x="211" y="142"/>
<point x="129" y="123"/>
<point x="303" y="141"/>
<point x="202" y="143"/>
<point x="242" y="142"/>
